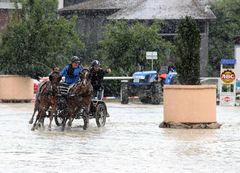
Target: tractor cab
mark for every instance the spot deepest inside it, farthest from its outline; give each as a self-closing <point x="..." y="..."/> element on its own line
<point x="144" y="77"/>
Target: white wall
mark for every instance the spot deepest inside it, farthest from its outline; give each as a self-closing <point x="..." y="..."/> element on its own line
<point x="60" y="4"/>
<point x="237" y="57"/>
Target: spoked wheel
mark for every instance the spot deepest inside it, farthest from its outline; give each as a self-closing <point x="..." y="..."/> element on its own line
<point x="101" y="115"/>
<point x="59" y="117"/>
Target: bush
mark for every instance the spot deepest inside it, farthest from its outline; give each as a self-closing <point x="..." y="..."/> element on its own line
<point x="222" y="32"/>
<point x="123" y="47"/>
<point x="188" y="52"/>
<point x="37" y="39"/>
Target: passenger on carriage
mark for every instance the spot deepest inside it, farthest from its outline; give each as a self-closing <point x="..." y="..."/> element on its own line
<point x="72" y="71"/>
<point x="96" y="76"/>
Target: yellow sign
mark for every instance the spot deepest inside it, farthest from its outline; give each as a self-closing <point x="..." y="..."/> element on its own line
<point x="228" y="76"/>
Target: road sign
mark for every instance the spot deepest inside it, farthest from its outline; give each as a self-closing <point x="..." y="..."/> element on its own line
<point x="151" y="55"/>
<point x="228" y="83"/>
<point x="228" y="76"/>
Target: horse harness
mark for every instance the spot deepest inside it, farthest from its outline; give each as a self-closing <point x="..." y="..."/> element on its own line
<point x="47" y="90"/>
<point x="80" y="94"/>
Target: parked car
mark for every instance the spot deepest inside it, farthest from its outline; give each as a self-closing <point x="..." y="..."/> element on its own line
<point x="35" y="85"/>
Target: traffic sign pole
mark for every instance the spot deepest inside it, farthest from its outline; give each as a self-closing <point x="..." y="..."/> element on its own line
<point x="228" y="82"/>
<point x="151" y="56"/>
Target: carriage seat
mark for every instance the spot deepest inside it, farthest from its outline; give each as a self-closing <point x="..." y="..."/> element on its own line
<point x="63" y="89"/>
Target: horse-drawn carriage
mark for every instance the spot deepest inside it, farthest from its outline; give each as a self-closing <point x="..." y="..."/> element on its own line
<point x="98" y="108"/>
<point x="65" y="103"/>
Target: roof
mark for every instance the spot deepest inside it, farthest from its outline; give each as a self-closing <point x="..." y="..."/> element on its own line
<point x="101" y="5"/>
<point x="148" y="9"/>
<point x="164" y="10"/>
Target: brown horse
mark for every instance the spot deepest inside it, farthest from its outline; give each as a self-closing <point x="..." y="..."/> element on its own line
<point x="79" y="98"/>
<point x="46" y="100"/>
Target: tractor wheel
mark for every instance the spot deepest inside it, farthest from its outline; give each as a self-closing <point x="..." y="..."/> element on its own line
<point x="124" y="93"/>
<point x="156" y="93"/>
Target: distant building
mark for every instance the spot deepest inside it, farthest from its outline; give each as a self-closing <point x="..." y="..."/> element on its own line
<point x="60" y="4"/>
<point x="6" y="8"/>
<point x="93" y="14"/>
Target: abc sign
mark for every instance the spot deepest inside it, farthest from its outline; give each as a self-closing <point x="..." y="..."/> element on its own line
<point x="228" y="76"/>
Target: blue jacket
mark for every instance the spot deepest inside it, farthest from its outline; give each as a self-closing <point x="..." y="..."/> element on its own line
<point x="71" y="79"/>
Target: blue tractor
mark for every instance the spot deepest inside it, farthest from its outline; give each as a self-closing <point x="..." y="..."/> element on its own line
<point x="147" y="85"/>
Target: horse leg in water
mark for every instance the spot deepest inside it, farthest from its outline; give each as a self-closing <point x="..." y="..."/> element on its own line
<point x="72" y="115"/>
<point x="31" y="120"/>
<point x="36" y="121"/>
<point x="65" y="118"/>
<point x="52" y="113"/>
<point x="51" y="118"/>
<point x="85" y="118"/>
<point x="36" y="105"/>
<point x="39" y="120"/>
<point x="64" y="123"/>
<point x="70" y="122"/>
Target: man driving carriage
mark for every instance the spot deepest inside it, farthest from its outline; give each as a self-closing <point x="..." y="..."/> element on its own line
<point x="96" y="76"/>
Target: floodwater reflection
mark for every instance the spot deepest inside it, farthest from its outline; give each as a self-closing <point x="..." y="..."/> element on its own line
<point x="130" y="142"/>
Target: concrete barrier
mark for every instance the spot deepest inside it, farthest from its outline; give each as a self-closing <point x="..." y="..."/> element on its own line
<point x="14" y="88"/>
<point x="190" y="103"/>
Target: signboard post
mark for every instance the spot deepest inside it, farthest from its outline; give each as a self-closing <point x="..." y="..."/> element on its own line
<point x="152" y="56"/>
<point x="228" y="82"/>
<point x="237" y="57"/>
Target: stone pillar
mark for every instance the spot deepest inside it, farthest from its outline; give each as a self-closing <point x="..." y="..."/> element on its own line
<point x="189" y="106"/>
<point x="15" y="88"/>
<point x="190" y="103"/>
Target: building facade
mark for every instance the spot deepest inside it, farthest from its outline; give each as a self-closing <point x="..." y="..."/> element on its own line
<point x="94" y="14"/>
<point x="5" y="9"/>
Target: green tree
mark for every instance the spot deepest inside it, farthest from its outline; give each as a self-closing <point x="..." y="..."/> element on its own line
<point x="124" y="46"/>
<point x="222" y="32"/>
<point x="188" y="52"/>
<point x="37" y="39"/>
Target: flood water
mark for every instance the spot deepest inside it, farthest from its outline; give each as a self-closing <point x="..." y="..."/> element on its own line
<point x="130" y="142"/>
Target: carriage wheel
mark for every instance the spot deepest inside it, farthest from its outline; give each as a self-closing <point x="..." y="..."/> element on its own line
<point x="59" y="117"/>
<point x="101" y="114"/>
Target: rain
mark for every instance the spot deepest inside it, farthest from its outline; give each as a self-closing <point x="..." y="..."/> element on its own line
<point x="122" y="67"/>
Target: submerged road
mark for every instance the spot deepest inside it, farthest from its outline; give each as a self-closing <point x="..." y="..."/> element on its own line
<point x="130" y="142"/>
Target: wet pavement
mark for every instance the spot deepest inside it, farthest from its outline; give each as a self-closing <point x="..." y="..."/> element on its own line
<point x="130" y="142"/>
